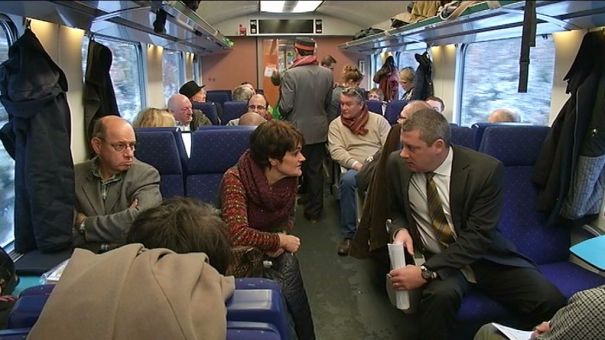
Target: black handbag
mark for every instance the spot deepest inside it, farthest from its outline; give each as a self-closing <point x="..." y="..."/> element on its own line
<point x="8" y="275"/>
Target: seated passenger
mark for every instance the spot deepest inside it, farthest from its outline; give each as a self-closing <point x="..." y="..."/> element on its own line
<point x="582" y="318"/>
<point x="113" y="187"/>
<point x="242" y="93"/>
<point x="445" y="204"/>
<point x="184" y="225"/>
<point x="197" y="94"/>
<point x="436" y="103"/>
<point x="406" y="80"/>
<point x="248" y="118"/>
<point x="250" y="86"/>
<point x="153" y="117"/>
<point x="353" y="138"/>
<point x="257" y="199"/>
<point x="410" y="108"/>
<point x="377" y="95"/>
<point x="186" y="120"/>
<point x="258" y="103"/>
<point x="133" y="293"/>
<point x="351" y="79"/>
<point x="503" y="116"/>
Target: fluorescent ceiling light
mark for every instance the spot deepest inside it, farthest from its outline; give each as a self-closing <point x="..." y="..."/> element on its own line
<point x="289" y="6"/>
<point x="272" y="6"/>
<point x="306" y="6"/>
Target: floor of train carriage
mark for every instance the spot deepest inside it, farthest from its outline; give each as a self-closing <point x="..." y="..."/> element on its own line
<point x="346" y="301"/>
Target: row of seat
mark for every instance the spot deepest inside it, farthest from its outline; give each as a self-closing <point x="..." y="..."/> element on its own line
<point x="229" y="110"/>
<point x="214" y="149"/>
<point x="518" y="148"/>
<point x="256" y="310"/>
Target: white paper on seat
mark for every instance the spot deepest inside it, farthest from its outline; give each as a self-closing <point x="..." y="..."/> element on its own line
<point x="512" y="333"/>
<point x="187" y="142"/>
<point x="399" y="298"/>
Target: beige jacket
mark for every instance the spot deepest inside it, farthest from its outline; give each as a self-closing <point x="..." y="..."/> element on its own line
<point x="133" y="293"/>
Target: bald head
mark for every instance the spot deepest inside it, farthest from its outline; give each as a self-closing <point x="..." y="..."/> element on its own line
<point x="104" y="125"/>
<point x="503" y="116"/>
<point x="114" y="142"/>
<point x="411" y="108"/>
<point x="180" y="107"/>
<point x="251" y="119"/>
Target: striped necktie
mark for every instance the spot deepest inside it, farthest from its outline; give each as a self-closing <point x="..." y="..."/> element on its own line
<point x="438" y="221"/>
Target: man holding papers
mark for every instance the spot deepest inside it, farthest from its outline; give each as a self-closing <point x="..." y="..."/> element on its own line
<point x="445" y="204"/>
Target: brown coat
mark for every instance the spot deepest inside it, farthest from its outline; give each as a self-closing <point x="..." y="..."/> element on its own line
<point x="132" y="293"/>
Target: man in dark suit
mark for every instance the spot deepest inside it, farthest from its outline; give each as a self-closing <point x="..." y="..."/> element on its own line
<point x="445" y="204"/>
<point x="113" y="187"/>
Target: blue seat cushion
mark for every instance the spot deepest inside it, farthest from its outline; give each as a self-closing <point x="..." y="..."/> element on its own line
<point x="570" y="278"/>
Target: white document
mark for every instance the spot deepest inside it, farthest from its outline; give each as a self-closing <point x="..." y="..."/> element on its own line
<point x="512" y="333"/>
<point x="53" y="275"/>
<point x="399" y="298"/>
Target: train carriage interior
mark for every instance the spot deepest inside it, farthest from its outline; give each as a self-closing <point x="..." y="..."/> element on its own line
<point x="73" y="62"/>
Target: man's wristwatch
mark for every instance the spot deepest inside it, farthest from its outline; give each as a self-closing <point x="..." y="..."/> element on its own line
<point x="81" y="228"/>
<point x="427" y="274"/>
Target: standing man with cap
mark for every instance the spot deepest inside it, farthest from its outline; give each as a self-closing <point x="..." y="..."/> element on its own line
<point x="306" y="91"/>
<point x="196" y="94"/>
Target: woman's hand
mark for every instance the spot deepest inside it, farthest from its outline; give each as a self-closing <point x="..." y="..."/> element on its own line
<point x="289" y="243"/>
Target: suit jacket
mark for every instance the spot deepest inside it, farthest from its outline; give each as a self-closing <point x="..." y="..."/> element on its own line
<point x="475" y="204"/>
<point x="109" y="221"/>
<point x="306" y="93"/>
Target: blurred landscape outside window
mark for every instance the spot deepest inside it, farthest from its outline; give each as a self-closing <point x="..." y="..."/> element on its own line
<point x="172" y="72"/>
<point x="7" y="170"/>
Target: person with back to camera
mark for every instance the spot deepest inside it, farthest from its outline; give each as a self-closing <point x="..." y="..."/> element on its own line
<point x="445" y="204"/>
<point x="184" y="225"/>
<point x="153" y="117"/>
<point x="257" y="200"/>
<point x="503" y="116"/>
<point x="436" y="103"/>
<point x="387" y="79"/>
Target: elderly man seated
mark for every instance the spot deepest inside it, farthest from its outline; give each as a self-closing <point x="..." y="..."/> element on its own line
<point x="113" y="187"/>
<point x="352" y="139"/>
<point x="186" y="118"/>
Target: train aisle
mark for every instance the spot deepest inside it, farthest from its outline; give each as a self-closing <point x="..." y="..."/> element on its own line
<point x="346" y="303"/>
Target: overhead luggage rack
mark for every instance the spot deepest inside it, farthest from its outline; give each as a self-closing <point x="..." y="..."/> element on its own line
<point x="481" y="23"/>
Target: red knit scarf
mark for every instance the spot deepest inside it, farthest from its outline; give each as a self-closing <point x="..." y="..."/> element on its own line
<point x="357" y="125"/>
<point x="306" y="60"/>
<point x="269" y="207"/>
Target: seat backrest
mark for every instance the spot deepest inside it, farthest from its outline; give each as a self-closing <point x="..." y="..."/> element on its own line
<point x="518" y="147"/>
<point x="393" y="109"/>
<point x="158" y="148"/>
<point x="218" y="96"/>
<point x="464" y="136"/>
<point x="233" y="110"/>
<point x="213" y="151"/>
<point x="375" y="106"/>
<point x="209" y="109"/>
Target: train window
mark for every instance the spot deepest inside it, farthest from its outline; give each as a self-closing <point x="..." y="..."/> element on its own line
<point x="173" y="70"/>
<point x="126" y="74"/>
<point x="197" y="65"/>
<point x="406" y="59"/>
<point x="490" y="80"/>
<point x="7" y="164"/>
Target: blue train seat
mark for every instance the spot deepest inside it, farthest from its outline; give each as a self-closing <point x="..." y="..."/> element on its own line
<point x="213" y="151"/>
<point x="463" y="136"/>
<point x="259" y="305"/>
<point x="218" y="96"/>
<point x="393" y="109"/>
<point x="159" y="149"/>
<point x="517" y="147"/>
<point x="240" y="330"/>
<point x="233" y="110"/>
<point x="376" y="107"/>
<point x="210" y="110"/>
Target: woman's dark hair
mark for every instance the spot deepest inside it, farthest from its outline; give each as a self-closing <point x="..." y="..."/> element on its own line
<point x="184" y="225"/>
<point x="273" y="139"/>
<point x="389" y="64"/>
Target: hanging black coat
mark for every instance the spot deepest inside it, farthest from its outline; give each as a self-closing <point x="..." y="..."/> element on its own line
<point x="570" y="169"/>
<point x="423" y="81"/>
<point x="33" y="92"/>
<point x="99" y="97"/>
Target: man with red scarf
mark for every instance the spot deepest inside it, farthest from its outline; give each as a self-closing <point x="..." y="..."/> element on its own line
<point x="305" y="94"/>
<point x="352" y="139"/>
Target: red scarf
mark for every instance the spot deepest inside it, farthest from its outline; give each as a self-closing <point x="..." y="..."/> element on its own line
<point x="306" y="60"/>
<point x="357" y="125"/>
<point x="269" y="207"/>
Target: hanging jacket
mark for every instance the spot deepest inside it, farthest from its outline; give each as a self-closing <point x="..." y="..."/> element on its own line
<point x="569" y="169"/>
<point x="33" y="92"/>
<point x="423" y="81"/>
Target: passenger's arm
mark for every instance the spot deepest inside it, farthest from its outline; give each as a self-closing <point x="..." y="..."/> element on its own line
<point x="394" y="187"/>
<point x="234" y="210"/>
<point x="114" y="227"/>
<point x="337" y="148"/>
<point x="474" y="239"/>
<point x="287" y="95"/>
<point x="384" y="128"/>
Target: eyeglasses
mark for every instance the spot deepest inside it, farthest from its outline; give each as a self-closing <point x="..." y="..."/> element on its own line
<point x="354" y="91"/>
<point x="121" y="146"/>
<point x="256" y="107"/>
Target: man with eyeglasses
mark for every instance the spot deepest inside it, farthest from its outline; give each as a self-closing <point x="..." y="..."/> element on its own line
<point x="112" y="188"/>
<point x="352" y="139"/>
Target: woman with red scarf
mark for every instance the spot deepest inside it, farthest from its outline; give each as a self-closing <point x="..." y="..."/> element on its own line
<point x="257" y="202"/>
